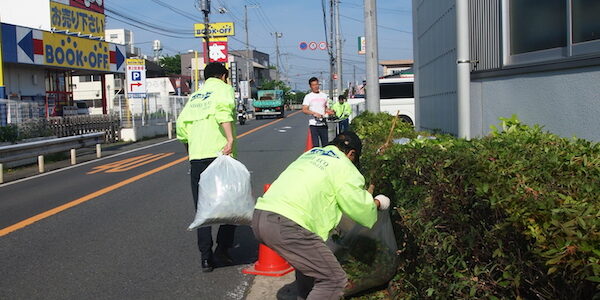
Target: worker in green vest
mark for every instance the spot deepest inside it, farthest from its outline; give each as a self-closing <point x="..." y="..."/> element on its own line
<point x="343" y="110"/>
<point x="296" y="215"/>
<point x="206" y="127"/>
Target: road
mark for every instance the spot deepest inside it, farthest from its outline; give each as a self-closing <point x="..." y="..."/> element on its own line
<point x="116" y="228"/>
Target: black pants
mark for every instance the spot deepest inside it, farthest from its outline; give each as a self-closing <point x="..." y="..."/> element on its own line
<point x="319" y="133"/>
<point x="344" y="125"/>
<point x="205" y="241"/>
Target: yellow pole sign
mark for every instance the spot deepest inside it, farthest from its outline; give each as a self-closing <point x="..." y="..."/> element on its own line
<point x="215" y="29"/>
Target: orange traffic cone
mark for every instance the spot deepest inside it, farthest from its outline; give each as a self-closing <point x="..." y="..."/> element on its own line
<point x="269" y="262"/>
<point x="309" y="144"/>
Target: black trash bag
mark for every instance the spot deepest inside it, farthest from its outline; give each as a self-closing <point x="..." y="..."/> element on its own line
<point x="368" y="256"/>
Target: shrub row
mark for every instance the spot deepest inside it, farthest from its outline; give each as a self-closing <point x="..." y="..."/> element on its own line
<point x="513" y="215"/>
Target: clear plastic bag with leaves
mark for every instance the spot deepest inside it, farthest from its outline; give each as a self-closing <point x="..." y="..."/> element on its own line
<point x="368" y="256"/>
<point x="224" y="194"/>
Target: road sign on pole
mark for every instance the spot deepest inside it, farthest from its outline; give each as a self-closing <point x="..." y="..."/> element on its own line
<point x="218" y="50"/>
<point x="136" y="78"/>
<point x="361" y="45"/>
<point x="303" y="45"/>
<point x="322" y="46"/>
<point x="215" y="29"/>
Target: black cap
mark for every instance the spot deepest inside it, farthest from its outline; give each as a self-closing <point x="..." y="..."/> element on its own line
<point x="347" y="141"/>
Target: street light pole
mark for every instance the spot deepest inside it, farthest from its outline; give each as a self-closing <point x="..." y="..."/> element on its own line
<point x="372" y="57"/>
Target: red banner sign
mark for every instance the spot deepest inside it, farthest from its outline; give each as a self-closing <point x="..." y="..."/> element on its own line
<point x="218" y="51"/>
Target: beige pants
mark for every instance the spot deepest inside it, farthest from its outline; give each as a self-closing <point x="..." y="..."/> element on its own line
<point x="318" y="273"/>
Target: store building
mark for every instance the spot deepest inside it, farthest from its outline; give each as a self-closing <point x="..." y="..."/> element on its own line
<point x="44" y="48"/>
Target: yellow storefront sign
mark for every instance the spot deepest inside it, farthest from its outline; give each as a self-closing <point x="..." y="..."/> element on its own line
<point x="136" y="62"/>
<point x="215" y="29"/>
<point x="78" y="53"/>
<point x="73" y="19"/>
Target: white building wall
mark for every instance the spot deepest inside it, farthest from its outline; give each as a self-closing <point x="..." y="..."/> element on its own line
<point x="435" y="64"/>
<point x="86" y="90"/>
<point x="30" y="13"/>
<point x="24" y="80"/>
<point x="565" y="102"/>
<point x="123" y="37"/>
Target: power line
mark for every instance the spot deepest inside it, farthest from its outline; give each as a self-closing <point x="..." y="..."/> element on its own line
<point x="383" y="9"/>
<point x="149" y="30"/>
<point x="382" y="26"/>
<point x="178" y="11"/>
<point x="148" y="24"/>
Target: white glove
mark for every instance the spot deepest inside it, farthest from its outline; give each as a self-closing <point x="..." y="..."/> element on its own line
<point x="384" y="201"/>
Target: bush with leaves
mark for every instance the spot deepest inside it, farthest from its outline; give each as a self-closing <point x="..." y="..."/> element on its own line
<point x="513" y="215"/>
<point x="9" y="133"/>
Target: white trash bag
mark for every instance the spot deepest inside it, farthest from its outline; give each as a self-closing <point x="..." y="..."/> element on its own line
<point x="224" y="194"/>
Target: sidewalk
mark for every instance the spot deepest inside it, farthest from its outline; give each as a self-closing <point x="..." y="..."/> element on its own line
<point x="280" y="288"/>
<point x="83" y="155"/>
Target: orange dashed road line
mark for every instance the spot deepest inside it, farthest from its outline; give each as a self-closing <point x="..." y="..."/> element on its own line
<point x="109" y="166"/>
<point x="111" y="188"/>
<point x="129" y="163"/>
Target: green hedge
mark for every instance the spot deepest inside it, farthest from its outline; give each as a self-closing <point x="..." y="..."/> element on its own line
<point x="514" y="215"/>
<point x="29" y="129"/>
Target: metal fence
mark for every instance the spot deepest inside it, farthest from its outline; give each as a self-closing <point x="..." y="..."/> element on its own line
<point x="152" y="110"/>
<point x="19" y="111"/>
<point x="25" y="119"/>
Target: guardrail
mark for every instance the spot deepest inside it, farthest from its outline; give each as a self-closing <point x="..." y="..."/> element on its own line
<point x="23" y="151"/>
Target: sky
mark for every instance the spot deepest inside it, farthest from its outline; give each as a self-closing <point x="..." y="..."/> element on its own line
<point x="299" y="21"/>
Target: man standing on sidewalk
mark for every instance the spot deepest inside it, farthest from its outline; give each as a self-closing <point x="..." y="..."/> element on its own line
<point x="206" y="127"/>
<point x="343" y="110"/>
<point x="315" y="105"/>
<point x="297" y="213"/>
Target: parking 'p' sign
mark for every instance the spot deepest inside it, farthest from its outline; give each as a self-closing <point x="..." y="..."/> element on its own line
<point x="136" y="78"/>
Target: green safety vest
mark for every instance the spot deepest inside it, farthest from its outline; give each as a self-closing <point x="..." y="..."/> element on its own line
<point x="342" y="111"/>
<point x="199" y="123"/>
<point x="317" y="188"/>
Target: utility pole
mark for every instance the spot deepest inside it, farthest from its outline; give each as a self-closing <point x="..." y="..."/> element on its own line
<point x="205" y="8"/>
<point x="354" y="78"/>
<point x="372" y="57"/>
<point x="278" y="35"/>
<point x="330" y="47"/>
<point x="338" y="48"/>
<point x="247" y="43"/>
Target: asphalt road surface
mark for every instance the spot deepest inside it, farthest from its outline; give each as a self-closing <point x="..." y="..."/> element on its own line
<point x="116" y="228"/>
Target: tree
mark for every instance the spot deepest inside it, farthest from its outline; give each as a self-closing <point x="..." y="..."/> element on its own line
<point x="277" y="85"/>
<point x="298" y="97"/>
<point x="171" y="64"/>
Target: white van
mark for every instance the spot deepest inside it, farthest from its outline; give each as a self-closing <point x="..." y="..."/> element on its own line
<point x="397" y="94"/>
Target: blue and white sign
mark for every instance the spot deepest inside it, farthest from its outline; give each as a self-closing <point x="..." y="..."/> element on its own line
<point x="136" y="78"/>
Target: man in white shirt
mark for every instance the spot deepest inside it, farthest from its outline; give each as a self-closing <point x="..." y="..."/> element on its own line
<point x="315" y="104"/>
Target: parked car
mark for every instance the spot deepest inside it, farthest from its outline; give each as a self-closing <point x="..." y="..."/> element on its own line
<point x="397" y="94"/>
